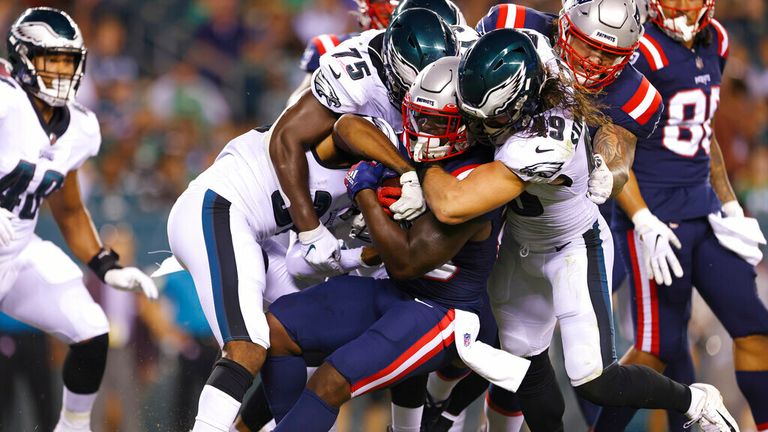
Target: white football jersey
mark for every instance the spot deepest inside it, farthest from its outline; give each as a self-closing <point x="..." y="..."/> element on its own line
<point x="244" y="175"/>
<point x="350" y="80"/>
<point x="35" y="160"/>
<point x="554" y="207"/>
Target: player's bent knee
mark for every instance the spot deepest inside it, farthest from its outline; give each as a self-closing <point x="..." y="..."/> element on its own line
<point x="231" y="378"/>
<point x="600" y="390"/>
<point x="85" y="364"/>
<point x="330" y="385"/>
<point x="637" y="357"/>
<point x="281" y="343"/>
<point x="247" y="354"/>
<point x="749" y="352"/>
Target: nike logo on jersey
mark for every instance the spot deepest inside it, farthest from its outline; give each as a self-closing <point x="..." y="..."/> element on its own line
<point x="309" y="249"/>
<point x="335" y="75"/>
<point x="539" y="150"/>
<point x="559" y="248"/>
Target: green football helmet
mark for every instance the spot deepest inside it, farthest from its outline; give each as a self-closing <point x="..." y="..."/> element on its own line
<point x="500" y="79"/>
<point x="414" y="39"/>
<point x="448" y="11"/>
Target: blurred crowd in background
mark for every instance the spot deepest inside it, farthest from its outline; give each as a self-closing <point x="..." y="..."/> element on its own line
<point x="172" y="81"/>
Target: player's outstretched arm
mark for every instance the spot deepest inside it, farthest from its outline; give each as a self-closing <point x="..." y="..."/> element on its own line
<point x="76" y="226"/>
<point x="299" y="128"/>
<point x="455" y="201"/>
<point x="361" y="138"/>
<point x="617" y="147"/>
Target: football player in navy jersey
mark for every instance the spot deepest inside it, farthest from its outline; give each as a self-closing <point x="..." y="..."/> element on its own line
<point x="555" y="258"/>
<point x="679" y="215"/>
<point x="376" y="333"/>
<point x="45" y="136"/>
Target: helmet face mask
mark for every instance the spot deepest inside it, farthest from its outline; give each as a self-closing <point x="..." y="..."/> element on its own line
<point x="434" y="128"/>
<point x="47" y="54"/>
<point x="674" y="21"/>
<point x="597" y="39"/>
<point x="374" y="14"/>
<point x="414" y="39"/>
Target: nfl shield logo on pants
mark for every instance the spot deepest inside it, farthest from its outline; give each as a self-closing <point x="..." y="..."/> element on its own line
<point x="467" y="339"/>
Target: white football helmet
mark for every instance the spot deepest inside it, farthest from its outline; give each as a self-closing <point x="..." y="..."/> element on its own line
<point x="432" y="121"/>
<point x="45" y="32"/>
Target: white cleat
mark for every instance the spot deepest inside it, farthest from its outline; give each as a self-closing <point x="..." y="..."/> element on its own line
<point x="711" y="415"/>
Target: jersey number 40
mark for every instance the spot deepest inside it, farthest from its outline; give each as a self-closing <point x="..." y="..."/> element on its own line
<point x="14" y="185"/>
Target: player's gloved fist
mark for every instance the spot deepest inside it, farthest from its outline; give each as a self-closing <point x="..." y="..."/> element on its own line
<point x="657" y="240"/>
<point x="600" y="182"/>
<point x="6" y="227"/>
<point x="131" y="279"/>
<point x="363" y="175"/>
<point x="411" y="203"/>
<point x="321" y="250"/>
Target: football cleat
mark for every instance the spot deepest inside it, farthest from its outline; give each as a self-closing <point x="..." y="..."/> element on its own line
<point x="711" y="415"/>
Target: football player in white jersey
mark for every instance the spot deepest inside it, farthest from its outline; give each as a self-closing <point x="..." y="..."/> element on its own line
<point x="45" y="137"/>
<point x="554" y="266"/>
<point x="222" y="229"/>
<point x="366" y="75"/>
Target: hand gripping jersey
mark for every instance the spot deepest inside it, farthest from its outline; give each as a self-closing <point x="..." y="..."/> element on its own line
<point x="672" y="165"/>
<point x="462" y="284"/>
<point x="631" y="101"/>
<point x="554" y="206"/>
<point x="318" y="46"/>
<point x="351" y="79"/>
<point x="35" y="159"/>
<point x="244" y="175"/>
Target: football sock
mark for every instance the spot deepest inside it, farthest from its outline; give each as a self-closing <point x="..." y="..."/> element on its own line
<point x="408" y="403"/>
<point x="466" y="391"/>
<point x="634" y="386"/>
<point x="540" y="397"/>
<point x="501" y="419"/>
<point x="222" y="396"/>
<point x="216" y="410"/>
<point x="255" y="411"/>
<point x="284" y="379"/>
<point x="406" y="419"/>
<point x="440" y="383"/>
<point x="310" y="414"/>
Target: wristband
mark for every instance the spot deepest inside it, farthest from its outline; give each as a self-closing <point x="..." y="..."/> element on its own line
<point x="103" y="262"/>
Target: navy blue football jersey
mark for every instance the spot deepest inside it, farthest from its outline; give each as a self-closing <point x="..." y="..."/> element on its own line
<point x="318" y="46"/>
<point x="462" y="283"/>
<point x="672" y="165"/>
<point x="630" y="102"/>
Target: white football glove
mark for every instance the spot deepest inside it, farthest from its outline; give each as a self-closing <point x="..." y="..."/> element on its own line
<point x="600" y="182"/>
<point x="131" y="279"/>
<point x="321" y="250"/>
<point x="411" y="203"/>
<point x="655" y="238"/>
<point x="732" y="209"/>
<point x="6" y="227"/>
